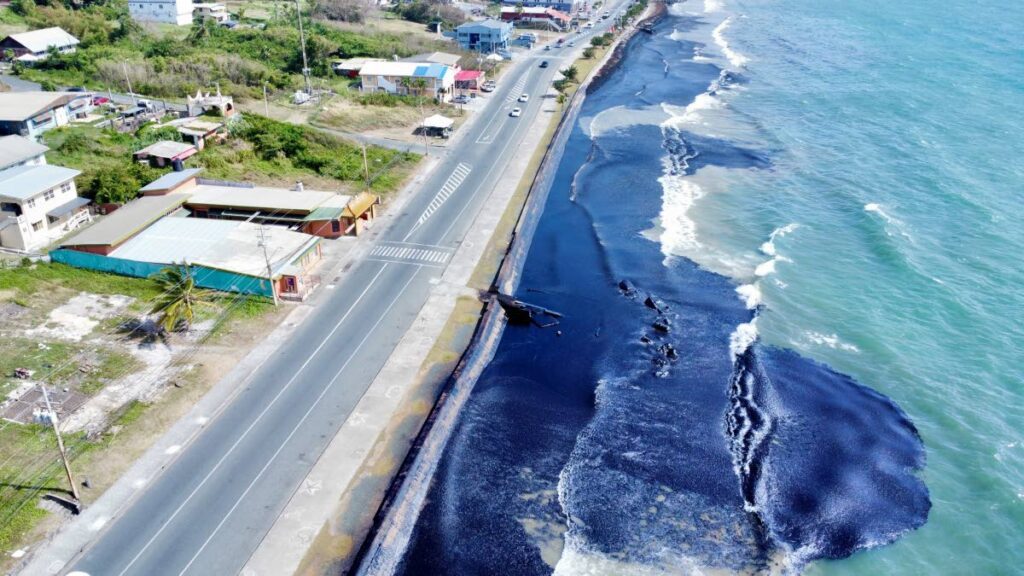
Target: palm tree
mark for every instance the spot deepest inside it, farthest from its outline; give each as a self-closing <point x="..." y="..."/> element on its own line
<point x="560" y="99"/>
<point x="179" y="298"/>
<point x="570" y="73"/>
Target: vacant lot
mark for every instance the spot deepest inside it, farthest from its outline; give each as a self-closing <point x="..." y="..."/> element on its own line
<point x="78" y="333"/>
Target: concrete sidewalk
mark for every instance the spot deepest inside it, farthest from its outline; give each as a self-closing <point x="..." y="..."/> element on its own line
<point x="322" y="510"/>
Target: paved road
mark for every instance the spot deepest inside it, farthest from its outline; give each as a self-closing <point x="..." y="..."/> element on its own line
<point x="208" y="511"/>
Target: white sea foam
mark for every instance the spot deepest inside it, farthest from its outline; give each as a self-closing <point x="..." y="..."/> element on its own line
<point x="742" y="338"/>
<point x="750" y="294"/>
<point x="679" y="231"/>
<point x="830" y="340"/>
<point x="691" y="114"/>
<point x="712" y="6"/>
<point x="767" y="267"/>
<point x="768" y="248"/>
<point x="892" y="223"/>
<point x="735" y="58"/>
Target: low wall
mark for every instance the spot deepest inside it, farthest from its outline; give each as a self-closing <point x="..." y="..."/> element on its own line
<point x="204" y="277"/>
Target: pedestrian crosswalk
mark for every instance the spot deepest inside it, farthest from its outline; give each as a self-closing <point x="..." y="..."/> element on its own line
<point x="450" y="186"/>
<point x="407" y="253"/>
<point x="517" y="90"/>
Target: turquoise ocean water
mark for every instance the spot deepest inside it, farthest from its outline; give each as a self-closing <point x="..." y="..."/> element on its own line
<point x="887" y="237"/>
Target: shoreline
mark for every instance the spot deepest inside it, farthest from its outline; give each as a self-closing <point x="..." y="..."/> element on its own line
<point x="385" y="544"/>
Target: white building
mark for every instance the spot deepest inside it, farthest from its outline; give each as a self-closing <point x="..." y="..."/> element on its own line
<point x="38" y="204"/>
<point x="36" y="45"/>
<point x="211" y="11"/>
<point x="418" y="78"/>
<point x="170" y="11"/>
<point x="20" y="151"/>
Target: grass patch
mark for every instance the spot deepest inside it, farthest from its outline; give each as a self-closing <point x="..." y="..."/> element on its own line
<point x="37" y="279"/>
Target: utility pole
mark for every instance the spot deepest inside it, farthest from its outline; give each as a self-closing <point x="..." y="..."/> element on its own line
<point x="266" y="258"/>
<point x="266" y="103"/>
<point x="302" y="40"/>
<point x="124" y="66"/>
<point x="51" y="414"/>
<point x="366" y="168"/>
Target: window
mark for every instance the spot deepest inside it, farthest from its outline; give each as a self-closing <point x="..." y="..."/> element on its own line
<point x="65" y="188"/>
<point x="48" y="195"/>
<point x="37" y="226"/>
<point x="335" y="226"/>
<point x="31" y="203"/>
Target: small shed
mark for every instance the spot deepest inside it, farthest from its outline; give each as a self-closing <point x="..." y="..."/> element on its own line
<point x="469" y="79"/>
<point x="438" y="125"/>
<point x="165" y="153"/>
<point x="199" y="132"/>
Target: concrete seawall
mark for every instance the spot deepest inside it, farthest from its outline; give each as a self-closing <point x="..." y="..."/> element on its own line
<point x="383" y="553"/>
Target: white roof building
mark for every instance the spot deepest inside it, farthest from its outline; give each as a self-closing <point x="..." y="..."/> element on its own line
<point x="35" y="45"/>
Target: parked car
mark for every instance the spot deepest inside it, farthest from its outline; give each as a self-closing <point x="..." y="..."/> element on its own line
<point x="488" y="86"/>
<point x="516" y="112"/>
<point x="524" y="97"/>
<point x="461" y="99"/>
<point x="544" y="64"/>
<point x="547" y="46"/>
<point x="99" y="100"/>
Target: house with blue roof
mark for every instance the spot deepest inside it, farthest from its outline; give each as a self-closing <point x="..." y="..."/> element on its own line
<point x="416" y="78"/>
<point x="38" y="204"/>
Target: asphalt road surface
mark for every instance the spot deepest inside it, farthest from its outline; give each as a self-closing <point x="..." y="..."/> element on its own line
<point x="209" y="510"/>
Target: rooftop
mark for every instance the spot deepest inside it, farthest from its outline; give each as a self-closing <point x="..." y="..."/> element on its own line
<point x="436" y="58"/>
<point x="465" y="75"/>
<point x="167" y="149"/>
<point x="17" y="149"/>
<point x="263" y="198"/>
<point x="221" y="244"/>
<point x="127" y="221"/>
<point x="489" y="23"/>
<point x="411" y="69"/>
<point x="24" y="182"/>
<point x="170" y="180"/>
<point x="20" y="106"/>
<point x="41" y="40"/>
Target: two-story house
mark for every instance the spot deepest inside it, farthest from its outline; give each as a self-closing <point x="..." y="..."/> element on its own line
<point x="177" y="12"/>
<point x="38" y="204"/>
<point x="486" y="36"/>
<point x="32" y="113"/>
<point x="416" y="78"/>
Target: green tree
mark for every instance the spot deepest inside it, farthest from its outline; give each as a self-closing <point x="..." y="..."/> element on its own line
<point x="588" y="52"/>
<point x="560" y="99"/>
<point x="179" y="299"/>
<point x="116" y="185"/>
<point x="570" y="73"/>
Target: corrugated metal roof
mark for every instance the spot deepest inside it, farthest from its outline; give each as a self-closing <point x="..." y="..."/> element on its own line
<point x="68" y="207"/>
<point x="41" y="40"/>
<point x="360" y="204"/>
<point x="127" y="221"/>
<point x="166" y="149"/>
<point x="490" y="24"/>
<point x="260" y="198"/>
<point x="16" y="149"/>
<point x="222" y="244"/>
<point x="325" y="213"/>
<point x="170" y="180"/>
<point x="24" y="182"/>
<point x="20" y="106"/>
<point x="411" y="69"/>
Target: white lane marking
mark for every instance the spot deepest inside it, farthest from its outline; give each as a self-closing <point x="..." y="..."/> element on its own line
<point x="453" y="182"/>
<point x="380" y="318"/>
<point x="252" y="425"/>
<point x="420" y="254"/>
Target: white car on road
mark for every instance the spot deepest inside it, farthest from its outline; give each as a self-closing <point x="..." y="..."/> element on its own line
<point x="524" y="97"/>
<point x="516" y="112"/>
